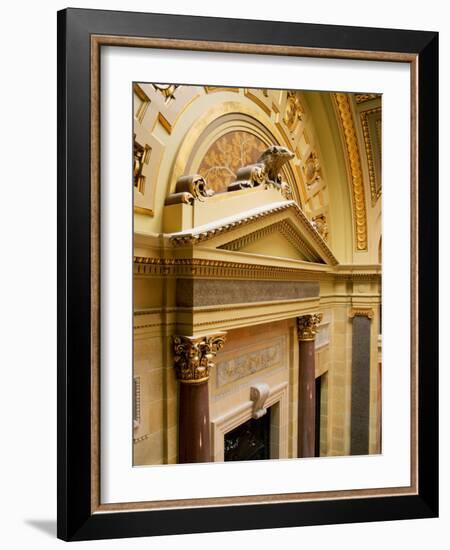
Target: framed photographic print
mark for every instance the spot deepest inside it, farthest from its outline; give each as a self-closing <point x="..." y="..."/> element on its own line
<point x="247" y="274"/>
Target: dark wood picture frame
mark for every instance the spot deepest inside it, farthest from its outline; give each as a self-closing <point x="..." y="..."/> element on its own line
<point x="81" y="34"/>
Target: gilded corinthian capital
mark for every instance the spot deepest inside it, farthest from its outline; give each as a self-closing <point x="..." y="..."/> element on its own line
<point x="361" y="312"/>
<point x="307" y="326"/>
<point x="193" y="356"/>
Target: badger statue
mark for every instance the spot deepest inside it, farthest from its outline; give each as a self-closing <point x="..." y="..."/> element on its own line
<point x="266" y="169"/>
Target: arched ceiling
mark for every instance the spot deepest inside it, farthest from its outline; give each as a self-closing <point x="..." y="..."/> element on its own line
<point x="336" y="139"/>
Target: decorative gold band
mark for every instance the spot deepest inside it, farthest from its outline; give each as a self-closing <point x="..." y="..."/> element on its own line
<point x="194" y="381"/>
<point x="145" y="211"/>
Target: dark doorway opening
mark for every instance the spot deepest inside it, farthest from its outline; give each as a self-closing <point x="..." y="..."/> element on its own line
<point x="249" y="441"/>
<point x="317" y="416"/>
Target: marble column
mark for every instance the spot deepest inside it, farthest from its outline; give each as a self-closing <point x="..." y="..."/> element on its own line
<point x="193" y="358"/>
<point x="360" y="409"/>
<point x="307" y="326"/>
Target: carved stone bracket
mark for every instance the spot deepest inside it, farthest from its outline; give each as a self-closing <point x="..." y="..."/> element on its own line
<point x="307" y="326"/>
<point x="193" y="356"/>
<point x="361" y="312"/>
<point x="188" y="189"/>
<point x="258" y="394"/>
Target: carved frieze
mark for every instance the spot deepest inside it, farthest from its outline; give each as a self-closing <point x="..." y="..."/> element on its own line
<point x="194" y="292"/>
<point x="193" y="356"/>
<point x="251" y="360"/>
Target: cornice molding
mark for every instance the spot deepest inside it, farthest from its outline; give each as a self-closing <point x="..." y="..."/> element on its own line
<point x="190" y="267"/>
<point x="209" y="231"/>
<point x="199" y="267"/>
<point x="285" y="228"/>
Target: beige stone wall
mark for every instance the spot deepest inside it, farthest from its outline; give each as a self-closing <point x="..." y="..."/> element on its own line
<point x="323" y="366"/>
<point x="155" y="438"/>
<point x="254" y="355"/>
<point x="375" y="383"/>
<point x="339" y="394"/>
<point x="149" y="368"/>
<point x="347" y="295"/>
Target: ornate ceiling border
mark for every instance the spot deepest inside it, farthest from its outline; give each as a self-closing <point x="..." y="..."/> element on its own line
<point x="351" y="143"/>
<point x="363" y="98"/>
<point x="374" y="192"/>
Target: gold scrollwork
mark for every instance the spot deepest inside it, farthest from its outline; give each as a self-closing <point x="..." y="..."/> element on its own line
<point x="294" y="110"/>
<point x="307" y="326"/>
<point x="188" y="189"/>
<point x="311" y="169"/>
<point x="320" y="224"/>
<point x="193" y="356"/>
<point x="140" y="158"/>
<point x="351" y="142"/>
<point x="166" y="90"/>
<point x="362" y="98"/>
<point x="375" y="185"/>
<point x="361" y="312"/>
